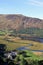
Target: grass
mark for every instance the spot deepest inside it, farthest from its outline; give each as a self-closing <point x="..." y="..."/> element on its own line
<point x="15" y="42"/>
<point x="10" y="45"/>
<point x="31" y="56"/>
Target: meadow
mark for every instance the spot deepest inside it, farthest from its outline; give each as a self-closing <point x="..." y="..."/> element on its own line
<point x="15" y="42"/>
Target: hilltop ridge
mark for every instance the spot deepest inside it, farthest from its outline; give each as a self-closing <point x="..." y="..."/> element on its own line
<point x="18" y="21"/>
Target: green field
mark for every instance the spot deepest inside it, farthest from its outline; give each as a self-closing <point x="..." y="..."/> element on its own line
<point x="14" y="42"/>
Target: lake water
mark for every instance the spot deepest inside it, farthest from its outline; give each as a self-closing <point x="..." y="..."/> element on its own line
<point x="40" y="40"/>
<point x="33" y="38"/>
<point x="25" y="47"/>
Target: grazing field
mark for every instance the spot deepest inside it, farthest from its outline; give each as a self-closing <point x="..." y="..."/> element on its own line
<point x="16" y="42"/>
<point x="12" y="43"/>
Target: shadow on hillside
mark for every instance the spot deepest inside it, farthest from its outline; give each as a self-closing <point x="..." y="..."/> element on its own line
<point x="2" y="49"/>
<point x="40" y="62"/>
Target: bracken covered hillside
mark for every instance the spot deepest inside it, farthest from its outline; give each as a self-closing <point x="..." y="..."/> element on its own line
<point x="17" y="21"/>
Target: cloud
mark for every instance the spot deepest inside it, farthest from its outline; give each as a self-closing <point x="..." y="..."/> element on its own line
<point x="35" y="2"/>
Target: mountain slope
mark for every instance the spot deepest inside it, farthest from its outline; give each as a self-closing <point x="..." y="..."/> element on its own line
<point x="19" y="22"/>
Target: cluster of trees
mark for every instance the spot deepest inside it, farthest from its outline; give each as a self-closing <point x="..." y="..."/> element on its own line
<point x="17" y="61"/>
<point x="31" y="31"/>
<point x="20" y="59"/>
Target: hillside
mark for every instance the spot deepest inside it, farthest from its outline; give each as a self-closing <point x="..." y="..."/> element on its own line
<point x="19" y="22"/>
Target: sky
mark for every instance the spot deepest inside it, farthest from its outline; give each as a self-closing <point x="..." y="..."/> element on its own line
<point x="30" y="8"/>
